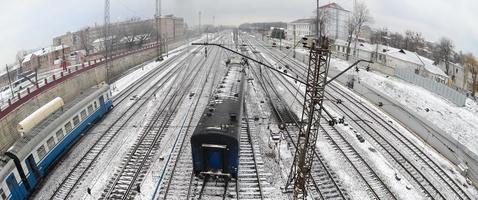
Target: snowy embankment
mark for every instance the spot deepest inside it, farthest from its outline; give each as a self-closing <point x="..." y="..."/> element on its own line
<point x="461" y="123"/>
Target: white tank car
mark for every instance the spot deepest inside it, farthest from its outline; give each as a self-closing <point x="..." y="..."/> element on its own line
<point x="39" y="115"/>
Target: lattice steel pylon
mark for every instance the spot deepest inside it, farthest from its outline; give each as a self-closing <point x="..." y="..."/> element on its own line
<point x="319" y="60"/>
<point x="106" y="40"/>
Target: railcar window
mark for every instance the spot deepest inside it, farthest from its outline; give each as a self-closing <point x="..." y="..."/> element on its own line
<point x="68" y="126"/>
<point x="96" y="105"/>
<point x="2" y="194"/>
<point x="41" y="152"/>
<point x="76" y="120"/>
<point x="83" y="114"/>
<point x="90" y="109"/>
<point x="59" y="134"/>
<point x="50" y="143"/>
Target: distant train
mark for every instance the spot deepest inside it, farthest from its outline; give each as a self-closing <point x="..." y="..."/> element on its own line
<point x="46" y="134"/>
<point x="215" y="141"/>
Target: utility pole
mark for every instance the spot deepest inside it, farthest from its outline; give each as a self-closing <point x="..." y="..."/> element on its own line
<point x="159" y="43"/>
<point x="165" y="41"/>
<point x="207" y="41"/>
<point x="106" y="34"/>
<point x="63" y="61"/>
<point x="294" y="41"/>
<point x="200" y="30"/>
<point x="317" y="26"/>
<point x="9" y="81"/>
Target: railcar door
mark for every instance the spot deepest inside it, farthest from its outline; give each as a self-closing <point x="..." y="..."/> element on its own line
<point x="102" y="103"/>
<point x="33" y="168"/>
<point x="215" y="157"/>
<point x="14" y="187"/>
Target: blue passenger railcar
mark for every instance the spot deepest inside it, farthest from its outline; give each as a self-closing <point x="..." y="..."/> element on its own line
<point x="25" y="164"/>
<point x="215" y="141"/>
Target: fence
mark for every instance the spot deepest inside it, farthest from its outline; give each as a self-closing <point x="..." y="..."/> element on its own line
<point x="446" y="92"/>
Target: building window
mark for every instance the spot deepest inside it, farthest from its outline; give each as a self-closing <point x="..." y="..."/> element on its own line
<point x="41" y="152"/>
<point x="76" y="120"/>
<point x="90" y="109"/>
<point x="2" y="194"/>
<point x="59" y="134"/>
<point x="50" y="143"/>
<point x="68" y="127"/>
<point x="456" y="70"/>
<point x="83" y="114"/>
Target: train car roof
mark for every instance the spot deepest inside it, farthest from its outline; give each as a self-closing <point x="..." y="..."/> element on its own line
<point x="219" y="119"/>
<point x="226" y="101"/>
<point x="55" y="120"/>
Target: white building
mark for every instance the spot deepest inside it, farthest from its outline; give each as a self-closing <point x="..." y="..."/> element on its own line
<point x="458" y="76"/>
<point x="336" y="19"/>
<point x="386" y="59"/>
<point x="301" y="27"/>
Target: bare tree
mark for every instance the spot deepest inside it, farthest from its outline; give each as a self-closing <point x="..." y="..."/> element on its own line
<point x="396" y="40"/>
<point x="360" y="16"/>
<point x="20" y="57"/>
<point x="471" y="66"/>
<point x="136" y="34"/>
<point x="379" y="36"/>
<point x="351" y="26"/>
<point x="324" y="19"/>
<point x="414" y="41"/>
<point x="85" y="40"/>
<point x="444" y="53"/>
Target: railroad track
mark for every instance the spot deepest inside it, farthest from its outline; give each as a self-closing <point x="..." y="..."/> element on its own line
<point x="182" y="184"/>
<point x="433" y="182"/>
<point x="80" y="169"/>
<point x="250" y="183"/>
<point x="378" y="189"/>
<point x="251" y="176"/>
<point x="125" y="182"/>
<point x="434" y="170"/>
<point x="174" y="180"/>
<point x="324" y="183"/>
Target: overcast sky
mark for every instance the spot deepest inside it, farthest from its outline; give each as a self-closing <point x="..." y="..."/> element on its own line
<point x="28" y="24"/>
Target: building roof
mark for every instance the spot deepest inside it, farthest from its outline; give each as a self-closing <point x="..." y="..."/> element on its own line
<point x="413" y="57"/>
<point x="333" y="6"/>
<point x="44" y="51"/>
<point x="432" y="68"/>
<point x="400" y="54"/>
<point x="360" y="45"/>
<point x="303" y="21"/>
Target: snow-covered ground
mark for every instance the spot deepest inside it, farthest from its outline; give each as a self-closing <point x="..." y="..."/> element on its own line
<point x="461" y="123"/>
<point x="382" y="166"/>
